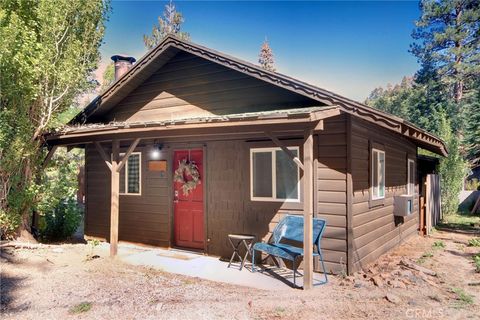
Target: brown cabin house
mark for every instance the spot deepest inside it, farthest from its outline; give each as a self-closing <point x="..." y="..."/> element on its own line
<point x="264" y="145"/>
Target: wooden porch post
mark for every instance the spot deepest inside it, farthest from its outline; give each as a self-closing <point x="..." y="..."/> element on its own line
<point x="115" y="164"/>
<point x="115" y="190"/>
<point x="308" y="210"/>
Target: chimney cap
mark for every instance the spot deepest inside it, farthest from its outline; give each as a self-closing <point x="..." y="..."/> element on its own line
<point x="123" y="57"/>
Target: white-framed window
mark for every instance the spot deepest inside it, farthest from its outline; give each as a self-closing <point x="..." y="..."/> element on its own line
<point x="378" y="174"/>
<point x="410" y="177"/>
<point x="273" y="175"/>
<point x="132" y="175"/>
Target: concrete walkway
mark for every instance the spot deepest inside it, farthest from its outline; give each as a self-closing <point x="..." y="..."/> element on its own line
<point x="209" y="268"/>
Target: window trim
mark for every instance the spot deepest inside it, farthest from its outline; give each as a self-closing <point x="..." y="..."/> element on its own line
<point x="274" y="198"/>
<point x="372" y="187"/>
<point x="410" y="184"/>
<point x="126" y="193"/>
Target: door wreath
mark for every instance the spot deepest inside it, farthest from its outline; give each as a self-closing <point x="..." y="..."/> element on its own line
<point x="187" y="168"/>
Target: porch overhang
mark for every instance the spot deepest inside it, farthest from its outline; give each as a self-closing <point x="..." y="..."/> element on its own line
<point x="210" y="127"/>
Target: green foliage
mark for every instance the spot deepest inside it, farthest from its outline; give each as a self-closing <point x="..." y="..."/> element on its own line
<point x="463" y="297"/>
<point x="472" y="126"/>
<point x="108" y="76"/>
<point x="448" y="37"/>
<point x="81" y="308"/>
<point x="472" y="185"/>
<point x="62" y="221"/>
<point x="48" y="51"/>
<point x="464" y="221"/>
<point x="170" y="23"/>
<point x="476" y="261"/>
<point x="438" y="245"/>
<point x="9" y="224"/>
<point x="474" y="242"/>
<point x="452" y="169"/>
<point x="424" y="257"/>
<point x="59" y="180"/>
<point x="56" y="196"/>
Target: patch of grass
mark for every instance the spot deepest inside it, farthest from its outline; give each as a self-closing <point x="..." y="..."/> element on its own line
<point x="279" y="311"/>
<point x="188" y="281"/>
<point x="476" y="261"/>
<point x="463" y="298"/>
<point x="81" y="308"/>
<point x="424" y="257"/>
<point x="460" y="221"/>
<point x="438" y="245"/>
<point x="474" y="242"/>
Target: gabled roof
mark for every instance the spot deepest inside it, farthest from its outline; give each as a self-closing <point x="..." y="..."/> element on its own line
<point x="171" y="45"/>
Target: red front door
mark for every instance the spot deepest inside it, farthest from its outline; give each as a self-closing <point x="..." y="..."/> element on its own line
<point x="188" y="209"/>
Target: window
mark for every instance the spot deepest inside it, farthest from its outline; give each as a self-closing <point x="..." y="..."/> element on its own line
<point x="273" y="175"/>
<point x="411" y="177"/>
<point x="131" y="175"/>
<point x="378" y="174"/>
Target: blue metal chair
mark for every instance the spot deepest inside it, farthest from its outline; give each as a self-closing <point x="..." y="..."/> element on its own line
<point x="290" y="228"/>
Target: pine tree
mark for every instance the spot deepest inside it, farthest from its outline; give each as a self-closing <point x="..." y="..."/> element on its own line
<point x="448" y="36"/>
<point x="265" y="58"/>
<point x="170" y="23"/>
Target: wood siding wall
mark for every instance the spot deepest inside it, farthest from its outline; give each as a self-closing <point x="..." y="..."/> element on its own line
<point x="143" y="218"/>
<point x="375" y="229"/>
<point x="190" y="86"/>
<point x="332" y="191"/>
<point x="147" y="218"/>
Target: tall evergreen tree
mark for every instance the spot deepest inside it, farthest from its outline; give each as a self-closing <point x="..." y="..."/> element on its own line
<point x="448" y="37"/>
<point x="265" y="58"/>
<point x="170" y="23"/>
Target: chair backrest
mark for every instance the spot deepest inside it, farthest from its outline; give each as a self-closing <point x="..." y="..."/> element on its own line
<point x="291" y="228"/>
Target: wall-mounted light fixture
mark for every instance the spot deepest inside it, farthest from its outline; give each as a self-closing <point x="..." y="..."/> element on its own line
<point x="156" y="152"/>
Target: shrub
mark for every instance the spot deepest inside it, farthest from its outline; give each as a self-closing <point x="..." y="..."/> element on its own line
<point x="81" y="307"/>
<point x="61" y="222"/>
<point x="472" y="185"/>
<point x="452" y="170"/>
<point x="474" y="242"/>
<point x="9" y="224"/>
<point x="476" y="261"/>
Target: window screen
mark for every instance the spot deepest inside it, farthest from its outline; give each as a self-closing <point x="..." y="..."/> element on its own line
<point x="262" y="174"/>
<point x="378" y="174"/>
<point x="286" y="176"/>
<point x="274" y="175"/>
<point x="133" y="174"/>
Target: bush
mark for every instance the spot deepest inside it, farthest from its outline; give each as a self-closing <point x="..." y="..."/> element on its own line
<point x="9" y="224"/>
<point x="452" y="170"/>
<point x="472" y="185"/>
<point x="62" y="222"/>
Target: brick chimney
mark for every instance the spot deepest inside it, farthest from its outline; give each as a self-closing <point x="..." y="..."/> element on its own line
<point x="123" y="63"/>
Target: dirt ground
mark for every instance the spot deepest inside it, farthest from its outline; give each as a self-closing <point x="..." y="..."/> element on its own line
<point x="58" y="282"/>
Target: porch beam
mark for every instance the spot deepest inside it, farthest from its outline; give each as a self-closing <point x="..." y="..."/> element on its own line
<point x="308" y="210"/>
<point x="115" y="190"/>
<point x="319" y="126"/>
<point x="285" y="149"/>
<point x="127" y="154"/>
<point x="49" y="156"/>
<point x="103" y="155"/>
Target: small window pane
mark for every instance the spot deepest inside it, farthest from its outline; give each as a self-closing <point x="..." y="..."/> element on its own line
<point x="262" y="174"/>
<point x="133" y="184"/>
<point x="411" y="177"/>
<point x="287" y="176"/>
<point x="381" y="175"/>
<point x="375" y="173"/>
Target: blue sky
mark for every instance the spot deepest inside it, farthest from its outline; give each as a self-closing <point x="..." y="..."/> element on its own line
<point x="346" y="47"/>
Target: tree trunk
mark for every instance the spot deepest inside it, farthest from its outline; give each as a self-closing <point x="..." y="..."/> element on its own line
<point x="25" y="230"/>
